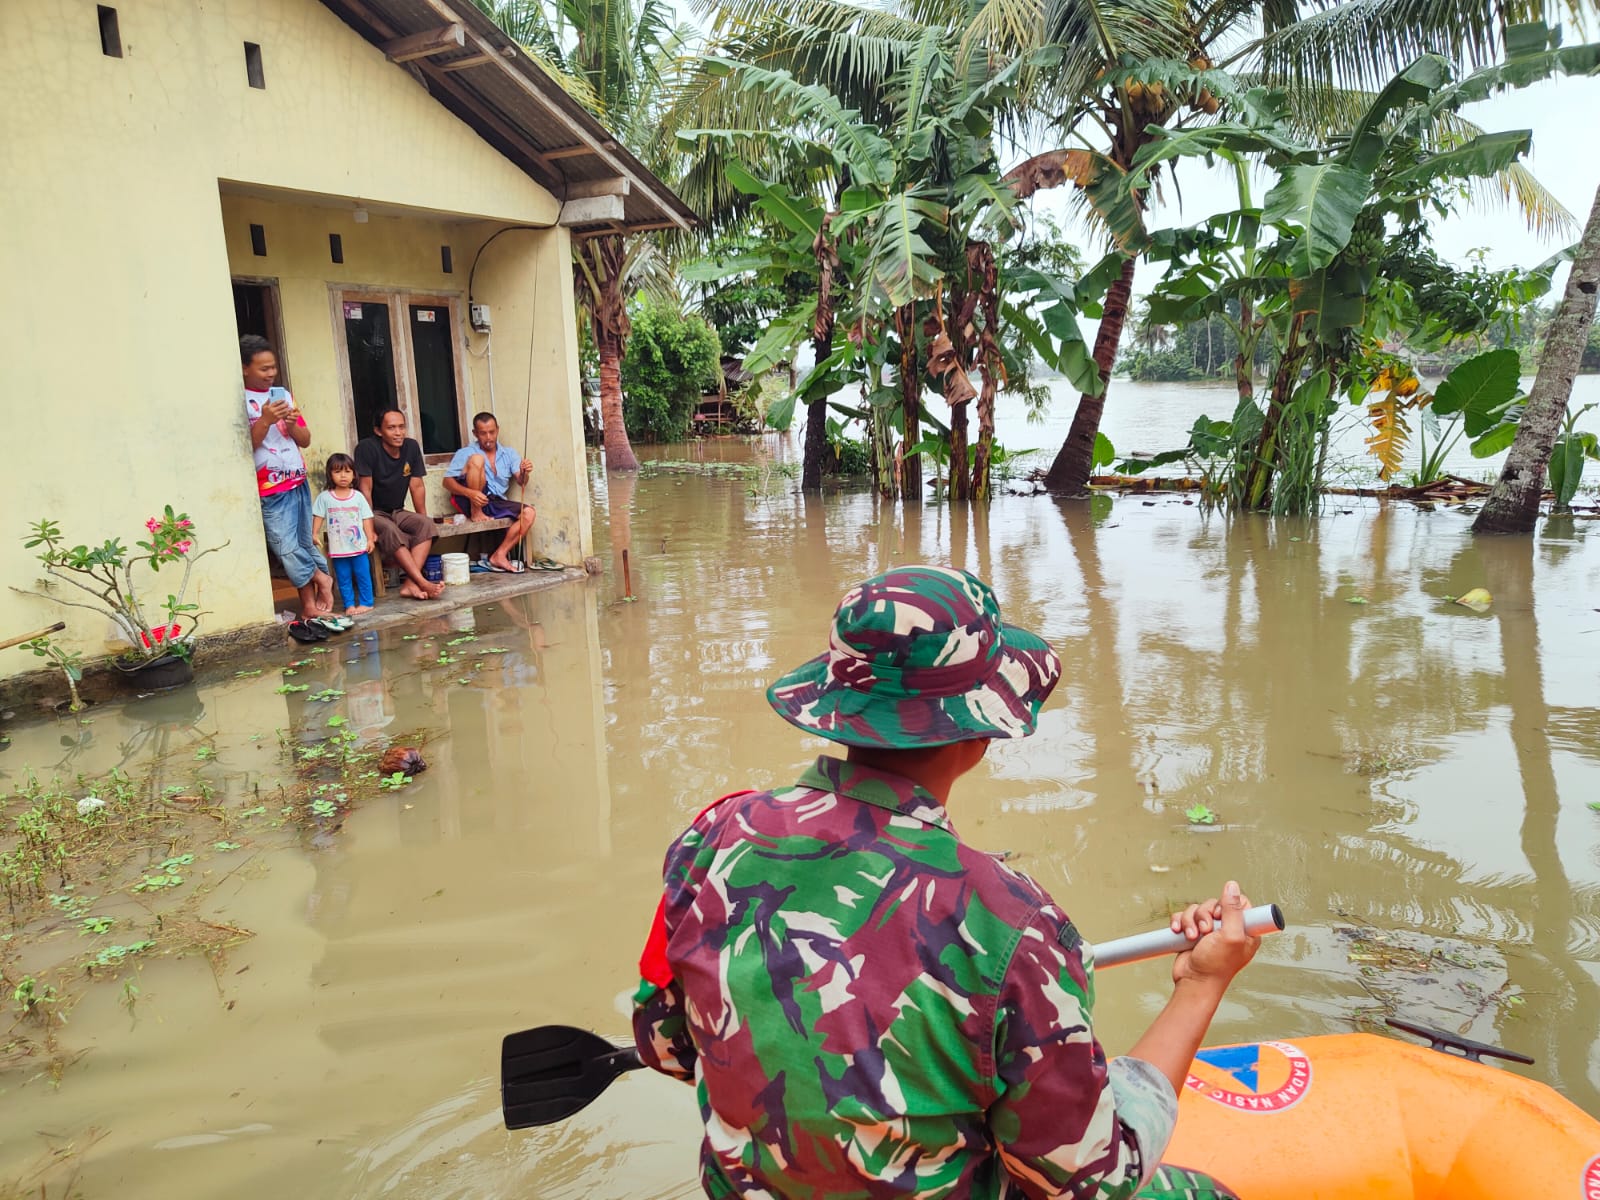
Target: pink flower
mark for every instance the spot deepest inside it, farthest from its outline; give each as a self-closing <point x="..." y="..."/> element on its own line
<point x="152" y="524"/>
<point x="183" y="547"/>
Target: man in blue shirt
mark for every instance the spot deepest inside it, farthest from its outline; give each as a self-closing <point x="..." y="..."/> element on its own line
<point x="477" y="479"/>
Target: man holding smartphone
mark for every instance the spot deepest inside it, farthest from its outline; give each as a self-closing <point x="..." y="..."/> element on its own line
<point x="278" y="432"/>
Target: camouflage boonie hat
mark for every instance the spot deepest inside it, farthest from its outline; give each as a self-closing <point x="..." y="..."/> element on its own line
<point x="918" y="656"/>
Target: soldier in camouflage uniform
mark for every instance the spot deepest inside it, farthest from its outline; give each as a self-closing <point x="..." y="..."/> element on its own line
<point x="872" y="1008"/>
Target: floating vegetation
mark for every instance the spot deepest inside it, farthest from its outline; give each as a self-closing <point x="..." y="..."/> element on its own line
<point x="1378" y="761"/>
<point x="1446" y="982"/>
<point x="122" y="864"/>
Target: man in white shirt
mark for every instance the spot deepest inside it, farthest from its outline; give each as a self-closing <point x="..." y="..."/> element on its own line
<point x="278" y="432"/>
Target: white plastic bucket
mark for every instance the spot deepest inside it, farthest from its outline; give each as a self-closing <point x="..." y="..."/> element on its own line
<point x="456" y="568"/>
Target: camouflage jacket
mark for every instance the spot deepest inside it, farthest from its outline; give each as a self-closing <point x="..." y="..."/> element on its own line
<point x="871" y="1008"/>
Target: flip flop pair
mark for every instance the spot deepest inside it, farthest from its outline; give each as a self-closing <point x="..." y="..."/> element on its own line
<point x="318" y="629"/>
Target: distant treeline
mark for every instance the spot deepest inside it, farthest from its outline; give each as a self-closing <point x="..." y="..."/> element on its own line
<point x="1205" y="350"/>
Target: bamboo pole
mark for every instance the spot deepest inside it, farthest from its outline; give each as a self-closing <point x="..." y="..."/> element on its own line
<point x="37" y="633"/>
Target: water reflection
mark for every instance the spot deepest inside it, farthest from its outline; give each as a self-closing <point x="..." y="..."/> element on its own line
<point x="1376" y="757"/>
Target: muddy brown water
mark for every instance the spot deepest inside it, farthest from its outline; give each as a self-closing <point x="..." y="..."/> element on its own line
<point x="1399" y="765"/>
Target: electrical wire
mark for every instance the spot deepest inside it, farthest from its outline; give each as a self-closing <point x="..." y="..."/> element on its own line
<point x="473" y="272"/>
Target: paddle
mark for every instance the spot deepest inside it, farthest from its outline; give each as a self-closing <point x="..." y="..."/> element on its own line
<point x="549" y="1073"/>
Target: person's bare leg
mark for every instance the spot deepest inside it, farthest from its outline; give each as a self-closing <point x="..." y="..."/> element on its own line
<point x="415" y="584"/>
<point x="517" y="531"/>
<point x="477" y="478"/>
<point x="323" y="583"/>
<point x="419" y="555"/>
<point x="310" y="604"/>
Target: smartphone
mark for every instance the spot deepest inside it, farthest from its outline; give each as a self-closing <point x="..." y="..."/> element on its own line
<point x="280" y="393"/>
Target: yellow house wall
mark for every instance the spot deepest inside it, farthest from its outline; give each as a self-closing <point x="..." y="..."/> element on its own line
<point x="120" y="213"/>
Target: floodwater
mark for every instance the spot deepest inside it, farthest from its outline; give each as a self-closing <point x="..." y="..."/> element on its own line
<point x="1402" y="765"/>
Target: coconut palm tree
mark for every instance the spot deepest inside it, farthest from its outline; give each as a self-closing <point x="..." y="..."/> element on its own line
<point x="617" y="58"/>
<point x="1513" y="505"/>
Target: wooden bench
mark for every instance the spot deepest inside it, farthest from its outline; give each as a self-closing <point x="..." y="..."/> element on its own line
<point x="448" y="529"/>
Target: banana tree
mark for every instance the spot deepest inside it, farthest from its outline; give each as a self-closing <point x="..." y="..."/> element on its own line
<point x="909" y="247"/>
<point x="797" y="242"/>
<point x="1331" y="210"/>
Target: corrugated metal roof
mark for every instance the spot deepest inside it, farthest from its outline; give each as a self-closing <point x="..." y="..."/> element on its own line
<point x="492" y="85"/>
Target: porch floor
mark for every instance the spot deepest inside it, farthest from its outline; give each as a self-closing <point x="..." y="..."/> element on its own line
<point x="395" y="609"/>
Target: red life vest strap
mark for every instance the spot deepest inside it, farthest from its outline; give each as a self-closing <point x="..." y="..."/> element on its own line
<point x="653" y="966"/>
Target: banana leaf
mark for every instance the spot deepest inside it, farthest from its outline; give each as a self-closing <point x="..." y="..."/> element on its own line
<point x="1324" y="199"/>
<point x="1481" y="388"/>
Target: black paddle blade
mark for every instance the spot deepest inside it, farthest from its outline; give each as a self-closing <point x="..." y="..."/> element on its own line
<point x="549" y="1073"/>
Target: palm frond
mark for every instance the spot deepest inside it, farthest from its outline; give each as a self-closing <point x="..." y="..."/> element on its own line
<point x="1364" y="42"/>
<point x="1135" y="28"/>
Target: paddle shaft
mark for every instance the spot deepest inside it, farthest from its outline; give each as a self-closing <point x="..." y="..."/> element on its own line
<point x="1262" y="919"/>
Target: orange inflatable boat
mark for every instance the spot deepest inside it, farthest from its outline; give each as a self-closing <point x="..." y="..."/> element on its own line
<point x="1355" y="1115"/>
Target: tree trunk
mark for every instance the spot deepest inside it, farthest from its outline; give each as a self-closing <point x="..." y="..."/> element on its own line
<point x="1069" y="473"/>
<point x="980" y="262"/>
<point x="821" y="348"/>
<point x="910" y="402"/>
<point x="619" y="452"/>
<point x="1258" y="475"/>
<point x="885" y="464"/>
<point x="1243" y="361"/>
<point x="1513" y="505"/>
<point x="599" y="264"/>
<point x="960" y="480"/>
<point x="816" y="424"/>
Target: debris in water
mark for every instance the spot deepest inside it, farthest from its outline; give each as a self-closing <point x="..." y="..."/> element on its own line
<point x="406" y="760"/>
<point x="1200" y="814"/>
<point x="1478" y="600"/>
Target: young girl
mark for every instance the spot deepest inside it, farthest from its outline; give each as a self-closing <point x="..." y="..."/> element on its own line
<point x="348" y="519"/>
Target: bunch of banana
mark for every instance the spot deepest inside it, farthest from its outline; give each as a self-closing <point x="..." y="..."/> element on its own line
<point x="1367" y="242"/>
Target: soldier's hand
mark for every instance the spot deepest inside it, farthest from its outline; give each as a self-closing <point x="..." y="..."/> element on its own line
<point x="1221" y="946"/>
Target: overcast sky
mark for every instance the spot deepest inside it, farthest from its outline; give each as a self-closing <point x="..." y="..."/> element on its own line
<point x="1564" y="115"/>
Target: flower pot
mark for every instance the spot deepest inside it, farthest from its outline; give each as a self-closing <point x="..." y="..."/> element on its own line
<point x="156" y="674"/>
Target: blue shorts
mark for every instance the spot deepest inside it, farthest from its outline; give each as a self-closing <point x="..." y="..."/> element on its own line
<point x="287" y="519"/>
<point x="497" y="507"/>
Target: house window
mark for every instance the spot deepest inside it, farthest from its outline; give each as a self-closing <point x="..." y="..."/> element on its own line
<point x="252" y="65"/>
<point x="400" y="351"/>
<point x="110" y="32"/>
<point x="256" y="310"/>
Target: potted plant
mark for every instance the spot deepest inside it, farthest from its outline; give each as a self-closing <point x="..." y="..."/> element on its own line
<point x="160" y="634"/>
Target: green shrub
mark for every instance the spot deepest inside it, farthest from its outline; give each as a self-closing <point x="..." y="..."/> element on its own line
<point x="671" y="361"/>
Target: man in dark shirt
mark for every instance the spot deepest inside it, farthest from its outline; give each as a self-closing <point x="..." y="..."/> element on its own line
<point x="389" y="467"/>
